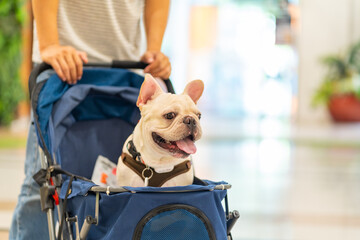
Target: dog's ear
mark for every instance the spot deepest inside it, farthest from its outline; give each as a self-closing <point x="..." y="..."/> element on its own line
<point x="149" y="89"/>
<point x="194" y="89"/>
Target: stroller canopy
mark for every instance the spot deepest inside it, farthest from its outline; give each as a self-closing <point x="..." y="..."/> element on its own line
<point x="100" y="110"/>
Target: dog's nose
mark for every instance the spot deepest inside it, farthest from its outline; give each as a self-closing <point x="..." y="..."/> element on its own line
<point x="190" y="122"/>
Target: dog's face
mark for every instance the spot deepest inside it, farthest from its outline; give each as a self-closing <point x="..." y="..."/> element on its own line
<point x="170" y="124"/>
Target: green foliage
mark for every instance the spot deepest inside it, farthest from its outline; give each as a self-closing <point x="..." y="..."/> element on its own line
<point x="342" y="77"/>
<point x="337" y="68"/>
<point x="12" y="16"/>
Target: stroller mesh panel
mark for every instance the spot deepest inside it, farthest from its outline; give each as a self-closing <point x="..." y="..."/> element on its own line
<point x="174" y="222"/>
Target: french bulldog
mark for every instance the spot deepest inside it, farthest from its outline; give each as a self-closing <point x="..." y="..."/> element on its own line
<point x="158" y="153"/>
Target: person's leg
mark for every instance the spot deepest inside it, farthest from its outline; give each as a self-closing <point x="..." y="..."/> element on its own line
<point x="29" y="222"/>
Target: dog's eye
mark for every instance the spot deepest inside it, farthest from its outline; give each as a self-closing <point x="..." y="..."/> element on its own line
<point x="170" y="115"/>
<point x="199" y="115"/>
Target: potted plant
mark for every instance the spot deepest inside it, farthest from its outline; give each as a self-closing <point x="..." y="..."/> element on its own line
<point x="11" y="20"/>
<point x="340" y="90"/>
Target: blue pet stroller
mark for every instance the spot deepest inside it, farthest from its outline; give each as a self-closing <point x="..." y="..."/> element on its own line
<point x="77" y="123"/>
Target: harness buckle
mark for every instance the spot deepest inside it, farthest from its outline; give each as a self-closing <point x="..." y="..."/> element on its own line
<point x="147" y="169"/>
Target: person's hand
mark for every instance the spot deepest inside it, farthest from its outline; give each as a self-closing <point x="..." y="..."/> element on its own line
<point x="66" y="61"/>
<point x="159" y="64"/>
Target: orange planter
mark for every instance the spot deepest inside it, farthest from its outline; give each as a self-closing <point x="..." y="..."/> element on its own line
<point x="344" y="108"/>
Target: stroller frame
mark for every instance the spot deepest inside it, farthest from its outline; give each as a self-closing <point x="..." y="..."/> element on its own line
<point x="49" y="177"/>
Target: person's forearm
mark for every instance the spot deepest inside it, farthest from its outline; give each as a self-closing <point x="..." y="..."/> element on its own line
<point x="45" y="14"/>
<point x="156" y="15"/>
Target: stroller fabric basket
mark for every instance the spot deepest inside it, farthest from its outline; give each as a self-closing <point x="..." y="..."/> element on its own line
<point x="190" y="212"/>
<point x="77" y="123"/>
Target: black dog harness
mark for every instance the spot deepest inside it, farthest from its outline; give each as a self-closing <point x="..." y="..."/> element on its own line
<point x="148" y="174"/>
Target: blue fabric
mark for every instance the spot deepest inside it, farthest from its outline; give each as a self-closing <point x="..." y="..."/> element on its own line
<point x="209" y="187"/>
<point x="101" y="80"/>
<point x="89" y="121"/>
<point x="78" y="188"/>
<point x="81" y="188"/>
<point x="84" y="141"/>
<point x="121" y="212"/>
<point x="87" y="102"/>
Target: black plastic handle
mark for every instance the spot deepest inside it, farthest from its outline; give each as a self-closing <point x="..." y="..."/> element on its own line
<point x="234" y="216"/>
<point x="128" y="64"/>
<point x="119" y="64"/>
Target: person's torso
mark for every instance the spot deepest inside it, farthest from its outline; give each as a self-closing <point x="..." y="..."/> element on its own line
<point x="105" y="30"/>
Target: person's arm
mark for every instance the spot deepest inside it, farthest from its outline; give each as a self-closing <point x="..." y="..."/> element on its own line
<point x="155" y="16"/>
<point x="65" y="60"/>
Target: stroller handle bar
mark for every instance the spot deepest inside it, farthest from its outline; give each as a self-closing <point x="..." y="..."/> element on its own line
<point x="119" y="64"/>
<point x="114" y="64"/>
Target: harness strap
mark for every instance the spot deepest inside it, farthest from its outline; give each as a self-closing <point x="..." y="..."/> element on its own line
<point x="158" y="179"/>
<point x="132" y="150"/>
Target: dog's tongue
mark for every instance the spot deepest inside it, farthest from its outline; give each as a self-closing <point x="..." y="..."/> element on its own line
<point x="187" y="145"/>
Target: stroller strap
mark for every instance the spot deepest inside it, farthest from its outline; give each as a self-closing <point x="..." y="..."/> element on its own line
<point x="155" y="179"/>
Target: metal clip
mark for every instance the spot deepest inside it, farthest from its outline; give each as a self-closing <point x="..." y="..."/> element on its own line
<point x="146" y="181"/>
<point x="128" y="146"/>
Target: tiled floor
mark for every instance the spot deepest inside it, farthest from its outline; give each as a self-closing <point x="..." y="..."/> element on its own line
<point x="289" y="191"/>
<point x="289" y="182"/>
<point x="11" y="177"/>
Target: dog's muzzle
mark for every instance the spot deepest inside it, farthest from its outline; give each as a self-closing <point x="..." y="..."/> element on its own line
<point x="190" y="122"/>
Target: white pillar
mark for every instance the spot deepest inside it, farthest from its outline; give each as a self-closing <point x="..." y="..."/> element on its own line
<point x="327" y="27"/>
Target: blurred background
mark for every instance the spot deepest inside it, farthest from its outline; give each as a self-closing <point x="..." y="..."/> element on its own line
<point x="280" y="110"/>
